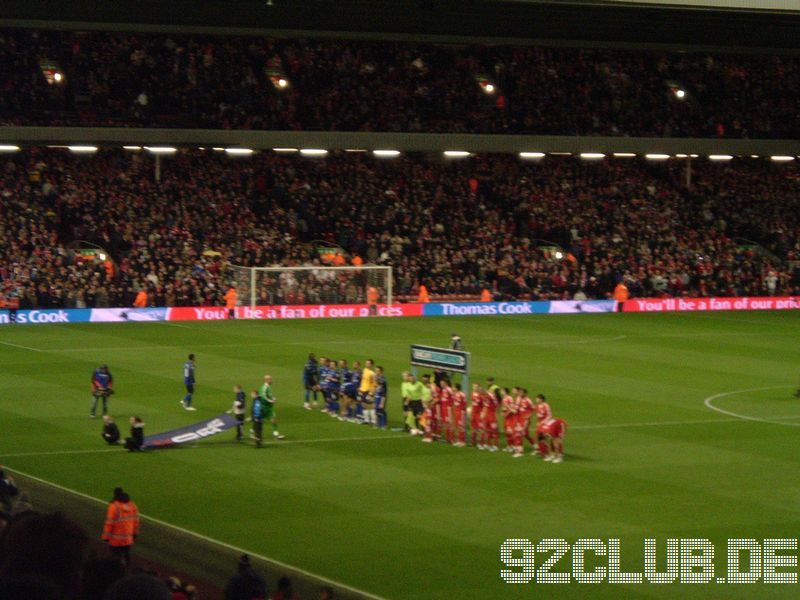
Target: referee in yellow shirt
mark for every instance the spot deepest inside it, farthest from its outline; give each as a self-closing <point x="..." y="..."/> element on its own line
<point x="366" y="391"/>
<point x="412" y="391"/>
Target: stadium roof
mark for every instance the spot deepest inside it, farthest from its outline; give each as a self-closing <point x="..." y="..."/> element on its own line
<point x="609" y="22"/>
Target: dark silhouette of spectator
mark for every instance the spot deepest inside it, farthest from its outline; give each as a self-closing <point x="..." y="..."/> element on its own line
<point x="246" y="584"/>
<point x="41" y="556"/>
<point x="99" y="574"/>
<point x="8" y="490"/>
<point x="285" y="590"/>
<point x="138" y="587"/>
<point x="326" y="593"/>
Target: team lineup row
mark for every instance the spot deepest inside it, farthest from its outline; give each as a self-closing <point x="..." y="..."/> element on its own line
<point x="435" y="408"/>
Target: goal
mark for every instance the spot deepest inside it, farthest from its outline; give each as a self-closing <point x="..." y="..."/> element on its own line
<point x="271" y="286"/>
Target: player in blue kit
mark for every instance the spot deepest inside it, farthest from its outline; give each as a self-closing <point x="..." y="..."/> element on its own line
<point x="334" y="379"/>
<point x="325" y="372"/>
<point x="102" y="387"/>
<point x="356" y="409"/>
<point x="381" y="391"/>
<point x="188" y="381"/>
<point x="345" y="384"/>
<point x="310" y="381"/>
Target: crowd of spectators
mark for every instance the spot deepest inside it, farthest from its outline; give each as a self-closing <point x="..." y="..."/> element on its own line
<point x="226" y="82"/>
<point x="556" y="229"/>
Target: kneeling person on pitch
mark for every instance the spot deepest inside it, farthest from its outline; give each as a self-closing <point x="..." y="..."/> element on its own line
<point x="135" y="442"/>
<point x="110" y="430"/>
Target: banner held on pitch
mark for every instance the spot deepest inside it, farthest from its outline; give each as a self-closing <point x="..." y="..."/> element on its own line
<point x="191" y="433"/>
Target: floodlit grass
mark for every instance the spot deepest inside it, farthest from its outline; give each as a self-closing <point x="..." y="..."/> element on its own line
<point x="385" y="513"/>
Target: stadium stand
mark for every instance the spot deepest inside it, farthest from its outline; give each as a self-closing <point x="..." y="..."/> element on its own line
<point x="195" y="81"/>
<point x="552" y="229"/>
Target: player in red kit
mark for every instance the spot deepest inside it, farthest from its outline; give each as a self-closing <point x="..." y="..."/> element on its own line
<point x="553" y="431"/>
<point x="511" y="421"/>
<point x="436" y="408"/>
<point x="431" y="413"/>
<point x="459" y="416"/>
<point x="543" y="413"/>
<point x="490" y="430"/>
<point x="446" y="410"/>
<point x="476" y="416"/>
<point x="526" y="410"/>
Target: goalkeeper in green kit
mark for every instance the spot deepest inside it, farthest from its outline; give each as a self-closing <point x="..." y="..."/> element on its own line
<point x="268" y="402"/>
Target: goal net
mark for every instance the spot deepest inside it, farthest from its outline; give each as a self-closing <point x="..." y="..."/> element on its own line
<point x="270" y="286"/>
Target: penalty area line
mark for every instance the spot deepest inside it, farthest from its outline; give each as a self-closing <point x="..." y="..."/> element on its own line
<point x="205" y="538"/>
<point x="709" y="403"/>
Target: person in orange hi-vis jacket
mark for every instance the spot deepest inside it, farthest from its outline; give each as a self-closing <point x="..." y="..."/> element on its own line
<point x="486" y="295"/>
<point x="423" y="294"/>
<point x="231" y="300"/>
<point x="141" y="299"/>
<point x="621" y="293"/>
<point x="372" y="299"/>
<point x="121" y="526"/>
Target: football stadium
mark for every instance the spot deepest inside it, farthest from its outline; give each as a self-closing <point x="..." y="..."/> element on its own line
<point x="375" y="300"/>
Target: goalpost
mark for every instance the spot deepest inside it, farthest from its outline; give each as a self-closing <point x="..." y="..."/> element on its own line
<point x="270" y="286"/>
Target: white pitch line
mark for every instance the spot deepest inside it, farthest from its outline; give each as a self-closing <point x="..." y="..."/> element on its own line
<point x="650" y="424"/>
<point x="211" y="540"/>
<point x="388" y="436"/>
<point x="32" y="349"/>
<point x="774" y="420"/>
<point x="266" y="442"/>
<point x="734" y="419"/>
<point x="50" y="453"/>
<point x="669" y="423"/>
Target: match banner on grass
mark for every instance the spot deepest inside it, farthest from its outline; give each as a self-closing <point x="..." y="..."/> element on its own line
<point x="300" y="311"/>
<point x="191" y="433"/>
<point x="710" y="304"/>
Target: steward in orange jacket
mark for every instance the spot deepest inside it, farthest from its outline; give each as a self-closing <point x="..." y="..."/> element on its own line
<point x="141" y="299"/>
<point x="231" y="300"/>
<point x="122" y="525"/>
<point x="423" y="294"/>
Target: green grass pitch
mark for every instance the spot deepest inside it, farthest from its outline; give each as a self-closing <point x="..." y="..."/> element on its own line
<point x="385" y="513"/>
